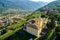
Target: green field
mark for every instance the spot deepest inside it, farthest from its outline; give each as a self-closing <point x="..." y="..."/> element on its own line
<point x="16" y="27"/>
<point x="10" y="32"/>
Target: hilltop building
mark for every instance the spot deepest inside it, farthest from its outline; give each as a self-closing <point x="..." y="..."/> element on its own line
<point x="36" y="26"/>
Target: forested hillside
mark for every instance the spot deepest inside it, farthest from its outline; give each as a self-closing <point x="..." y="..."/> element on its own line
<point x="53" y="7"/>
<point x="52" y="10"/>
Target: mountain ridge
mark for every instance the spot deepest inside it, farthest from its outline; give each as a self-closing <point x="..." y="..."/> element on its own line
<point x="21" y="4"/>
<point x="53" y="8"/>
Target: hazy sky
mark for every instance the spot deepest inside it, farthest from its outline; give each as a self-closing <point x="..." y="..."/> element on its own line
<point x="43" y="0"/>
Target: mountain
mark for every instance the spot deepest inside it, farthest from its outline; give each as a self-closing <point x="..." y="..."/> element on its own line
<point x="20" y="4"/>
<point x="53" y="7"/>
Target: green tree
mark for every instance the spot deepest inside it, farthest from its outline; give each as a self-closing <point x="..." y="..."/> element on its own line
<point x="51" y="24"/>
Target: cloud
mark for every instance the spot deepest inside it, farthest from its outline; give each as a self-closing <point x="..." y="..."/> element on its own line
<point x="42" y="0"/>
